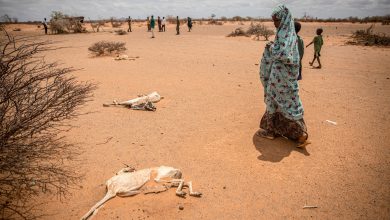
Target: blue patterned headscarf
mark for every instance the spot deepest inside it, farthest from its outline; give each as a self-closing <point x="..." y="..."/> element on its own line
<point x="285" y="47"/>
<point x="279" y="69"/>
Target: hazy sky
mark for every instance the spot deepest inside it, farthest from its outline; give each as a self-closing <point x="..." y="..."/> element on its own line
<point x="26" y="10"/>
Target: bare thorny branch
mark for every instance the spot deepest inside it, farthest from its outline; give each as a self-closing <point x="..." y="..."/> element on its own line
<point x="36" y="99"/>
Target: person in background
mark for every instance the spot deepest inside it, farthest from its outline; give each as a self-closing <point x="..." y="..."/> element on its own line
<point x="177" y="25"/>
<point x="45" y="25"/>
<point x="159" y="24"/>
<point x="148" y="23"/>
<point x="152" y="24"/>
<point x="189" y="24"/>
<point x="301" y="47"/>
<point x="279" y="71"/>
<point x="318" y="42"/>
<point x="129" y="23"/>
<point x="163" y="24"/>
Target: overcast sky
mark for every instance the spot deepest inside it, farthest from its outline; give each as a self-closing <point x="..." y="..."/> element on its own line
<point x="26" y="10"/>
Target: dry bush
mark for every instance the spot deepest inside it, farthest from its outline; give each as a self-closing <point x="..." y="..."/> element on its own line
<point x="99" y="24"/>
<point x="385" y="22"/>
<point x="215" y="22"/>
<point x="107" y="47"/>
<point x="260" y="30"/>
<point x="120" y="32"/>
<point x="171" y="19"/>
<point x="95" y="26"/>
<point x="61" y="23"/>
<point x="238" y="32"/>
<point x="115" y="23"/>
<point x="36" y="101"/>
<point x="368" y="38"/>
<point x="59" y="26"/>
<point x="102" y="23"/>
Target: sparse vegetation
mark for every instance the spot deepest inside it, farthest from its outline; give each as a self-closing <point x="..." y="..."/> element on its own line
<point x="369" y="38"/>
<point x="7" y="19"/>
<point x="238" y="32"/>
<point x="215" y="22"/>
<point x="120" y="32"/>
<point x="36" y="100"/>
<point x="352" y="19"/>
<point x="254" y="29"/>
<point x="107" y="47"/>
<point x="115" y="23"/>
<point x="61" y="23"/>
<point x="260" y="30"/>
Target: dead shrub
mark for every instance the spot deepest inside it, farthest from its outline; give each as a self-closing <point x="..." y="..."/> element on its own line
<point x="368" y="38"/>
<point x="385" y="22"/>
<point x="215" y="22"/>
<point x="115" y="24"/>
<point x="260" y="30"/>
<point x="97" y="25"/>
<point x="238" y="32"/>
<point x="107" y="47"/>
<point x="36" y="101"/>
<point x="120" y="32"/>
<point x="61" y="23"/>
<point x="59" y="26"/>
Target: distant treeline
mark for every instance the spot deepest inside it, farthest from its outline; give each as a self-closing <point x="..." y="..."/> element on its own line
<point x="383" y="19"/>
<point x="5" y="19"/>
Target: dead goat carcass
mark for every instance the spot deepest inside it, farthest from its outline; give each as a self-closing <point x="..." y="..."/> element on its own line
<point x="143" y="102"/>
<point x="128" y="182"/>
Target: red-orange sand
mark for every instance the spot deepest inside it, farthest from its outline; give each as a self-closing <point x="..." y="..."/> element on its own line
<point x="205" y="126"/>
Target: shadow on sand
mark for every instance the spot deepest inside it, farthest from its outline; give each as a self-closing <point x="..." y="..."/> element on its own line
<point x="277" y="149"/>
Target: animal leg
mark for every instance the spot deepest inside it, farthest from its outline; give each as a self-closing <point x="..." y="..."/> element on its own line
<point x="179" y="190"/>
<point x="156" y="189"/>
<point x="109" y="195"/>
<point x="131" y="193"/>
<point x="173" y="182"/>
<point x="192" y="193"/>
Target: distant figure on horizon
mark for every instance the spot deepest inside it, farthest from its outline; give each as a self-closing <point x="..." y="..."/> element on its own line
<point x="129" y="23"/>
<point x="159" y="24"/>
<point x="164" y="21"/>
<point x="279" y="71"/>
<point x="318" y="42"/>
<point x="148" y="23"/>
<point x="177" y="25"/>
<point x="45" y="25"/>
<point x="189" y="24"/>
<point x="152" y="24"/>
<point x="301" y="47"/>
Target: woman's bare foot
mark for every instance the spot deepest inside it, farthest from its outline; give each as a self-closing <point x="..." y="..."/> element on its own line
<point x="303" y="145"/>
<point x="302" y="140"/>
<point x="265" y="134"/>
<point x="311" y="63"/>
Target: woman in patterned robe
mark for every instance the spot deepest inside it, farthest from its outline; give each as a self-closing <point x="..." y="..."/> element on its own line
<point x="279" y="71"/>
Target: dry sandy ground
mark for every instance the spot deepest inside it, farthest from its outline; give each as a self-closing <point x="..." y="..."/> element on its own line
<point x="206" y="124"/>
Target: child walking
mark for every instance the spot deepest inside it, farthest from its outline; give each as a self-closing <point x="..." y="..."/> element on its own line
<point x="152" y="24"/>
<point x="318" y="42"/>
<point x="301" y="47"/>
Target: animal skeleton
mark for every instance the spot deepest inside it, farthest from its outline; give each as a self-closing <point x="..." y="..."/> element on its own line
<point x="139" y="102"/>
<point x="125" y="57"/>
<point x="128" y="182"/>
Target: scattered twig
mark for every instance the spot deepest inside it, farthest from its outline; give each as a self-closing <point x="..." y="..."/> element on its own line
<point x="331" y="122"/>
<point x="107" y="140"/>
<point x="310" y="206"/>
